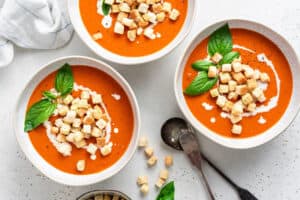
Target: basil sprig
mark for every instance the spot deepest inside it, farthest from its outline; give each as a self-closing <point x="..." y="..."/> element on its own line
<point x="105" y="8"/>
<point x="220" y="41"/>
<point x="229" y="57"/>
<point x="200" y="84"/>
<point x="167" y="192"/>
<point x="202" y="65"/>
<point x="40" y="111"/>
<point x="49" y="95"/>
<point x="64" y="80"/>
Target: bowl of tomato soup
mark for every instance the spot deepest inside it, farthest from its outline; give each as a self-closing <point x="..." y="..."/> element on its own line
<point x="132" y="31"/>
<point x="237" y="83"/>
<point x="77" y="121"/>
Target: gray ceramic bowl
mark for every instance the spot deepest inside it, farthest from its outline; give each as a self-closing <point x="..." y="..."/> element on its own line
<point x="91" y="194"/>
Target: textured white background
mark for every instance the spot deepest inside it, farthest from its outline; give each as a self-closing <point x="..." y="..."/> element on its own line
<point x="271" y="171"/>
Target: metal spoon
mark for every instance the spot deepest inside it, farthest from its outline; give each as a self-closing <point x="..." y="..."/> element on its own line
<point x="171" y="132"/>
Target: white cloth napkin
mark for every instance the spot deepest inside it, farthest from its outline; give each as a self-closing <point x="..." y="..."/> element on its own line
<point x="34" y="24"/>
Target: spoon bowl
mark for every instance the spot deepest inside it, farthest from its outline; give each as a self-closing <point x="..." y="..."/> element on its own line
<point x="171" y="131"/>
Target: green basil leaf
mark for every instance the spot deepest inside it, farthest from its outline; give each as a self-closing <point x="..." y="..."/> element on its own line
<point x="105" y="8"/>
<point x="202" y="83"/>
<point x="167" y="192"/>
<point x="202" y="65"/>
<point x="64" y="80"/>
<point x="38" y="113"/>
<point x="49" y="95"/>
<point x="220" y="41"/>
<point x="229" y="57"/>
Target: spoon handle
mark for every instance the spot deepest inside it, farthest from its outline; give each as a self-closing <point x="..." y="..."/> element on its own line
<point x="220" y="172"/>
<point x="243" y="193"/>
<point x="206" y="184"/>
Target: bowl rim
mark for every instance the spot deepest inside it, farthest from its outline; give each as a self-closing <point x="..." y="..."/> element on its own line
<point x="136" y="131"/>
<point x="208" y="132"/>
<point x="135" y="60"/>
<point x="102" y="191"/>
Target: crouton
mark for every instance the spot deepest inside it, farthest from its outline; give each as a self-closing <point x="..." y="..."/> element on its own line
<point x="237" y="67"/>
<point x="61" y="138"/>
<point x="235" y="118"/>
<point x="226" y="68"/>
<point x="232" y="96"/>
<point x="257" y="92"/>
<point x="131" y="35"/>
<point x="225" y="77"/>
<point x="143" y="142"/>
<point x="164" y="174"/>
<point x="80" y="166"/>
<point x="54" y="130"/>
<point x="237" y="108"/>
<point x="144" y="189"/>
<point x="212" y="71"/>
<point x="247" y="99"/>
<point x="159" y="183"/>
<point x="157" y="8"/>
<point x="232" y="85"/>
<point x="84" y="95"/>
<point x="109" y="2"/>
<point x="251" y="84"/>
<point x="216" y="58"/>
<point x="115" y="8"/>
<point x="264" y="77"/>
<point x="174" y="14"/>
<point x="149" y="151"/>
<point x="124" y="7"/>
<point x="214" y="92"/>
<point x="167" y="7"/>
<point x="251" y="107"/>
<point x="223" y="89"/>
<point x="228" y="106"/>
<point x="120" y="17"/>
<point x="152" y="161"/>
<point x="143" y="8"/>
<point x="221" y="101"/>
<point x="168" y="161"/>
<point x="236" y="129"/>
<point x="68" y="99"/>
<point x="141" y="180"/>
<point x="239" y="77"/>
<point x="241" y="89"/>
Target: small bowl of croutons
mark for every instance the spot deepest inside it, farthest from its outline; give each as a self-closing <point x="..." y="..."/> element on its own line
<point x="236" y="83"/>
<point x="103" y="195"/>
<point x="132" y="32"/>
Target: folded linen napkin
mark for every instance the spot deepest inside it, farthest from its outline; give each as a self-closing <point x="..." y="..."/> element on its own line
<point x="34" y="24"/>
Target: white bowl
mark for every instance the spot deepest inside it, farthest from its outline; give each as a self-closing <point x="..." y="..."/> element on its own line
<point x="74" y="12"/>
<point x="291" y="110"/>
<point x="27" y="147"/>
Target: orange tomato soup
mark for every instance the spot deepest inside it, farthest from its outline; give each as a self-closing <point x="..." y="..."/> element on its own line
<point x="251" y="127"/>
<point x="120" y="112"/>
<point x="119" y="44"/>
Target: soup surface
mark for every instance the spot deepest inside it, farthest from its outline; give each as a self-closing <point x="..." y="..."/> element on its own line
<point x="251" y="46"/>
<point x="120" y="112"/>
<point x="119" y="44"/>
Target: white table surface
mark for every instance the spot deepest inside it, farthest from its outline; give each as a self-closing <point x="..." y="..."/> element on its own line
<point x="270" y="171"/>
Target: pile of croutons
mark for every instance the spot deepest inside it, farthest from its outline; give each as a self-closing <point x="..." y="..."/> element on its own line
<point x="142" y="180"/>
<point x="238" y="90"/>
<point x="106" y="197"/>
<point x="79" y="119"/>
<point x="138" y="17"/>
